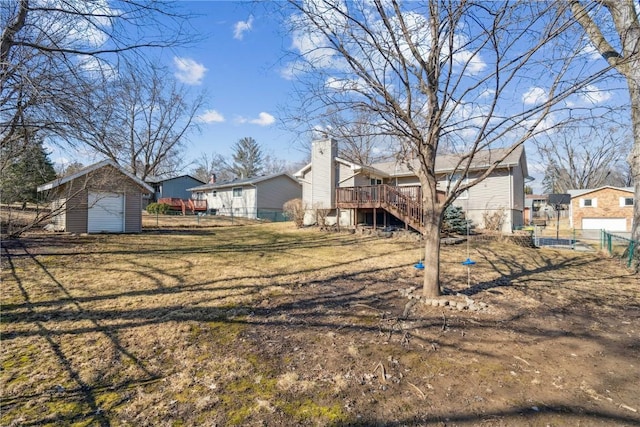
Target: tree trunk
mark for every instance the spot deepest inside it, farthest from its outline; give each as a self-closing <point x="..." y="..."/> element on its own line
<point x="633" y="80"/>
<point x="431" y="284"/>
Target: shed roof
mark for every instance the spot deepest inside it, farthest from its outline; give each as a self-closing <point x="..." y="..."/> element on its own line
<point x="84" y="171"/>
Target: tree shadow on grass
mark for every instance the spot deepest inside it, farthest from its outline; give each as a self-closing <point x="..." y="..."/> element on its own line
<point x="319" y="306"/>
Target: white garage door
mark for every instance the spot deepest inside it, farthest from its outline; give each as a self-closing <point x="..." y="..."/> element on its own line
<point x="609" y="224"/>
<point x="106" y="213"/>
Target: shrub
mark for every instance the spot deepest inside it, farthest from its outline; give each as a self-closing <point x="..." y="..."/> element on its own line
<point x="158" y="208"/>
<point x="493" y="221"/>
<point x="294" y="211"/>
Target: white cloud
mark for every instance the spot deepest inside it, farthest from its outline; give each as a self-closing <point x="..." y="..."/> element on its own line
<point x="211" y="116"/>
<point x="263" y="119"/>
<point x="189" y="71"/>
<point x="241" y="27"/>
<point x="595" y="95"/>
<point x="534" y="95"/>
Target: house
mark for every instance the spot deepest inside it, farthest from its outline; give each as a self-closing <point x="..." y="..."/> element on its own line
<point x="255" y="198"/>
<point x="606" y="208"/>
<point x="100" y="198"/>
<point x="174" y="188"/>
<point x="385" y="193"/>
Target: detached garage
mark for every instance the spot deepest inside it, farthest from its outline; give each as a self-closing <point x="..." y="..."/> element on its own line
<point x="606" y="208"/>
<point x="101" y="198"/>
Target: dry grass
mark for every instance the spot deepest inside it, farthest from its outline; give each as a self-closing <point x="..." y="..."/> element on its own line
<point x="267" y="324"/>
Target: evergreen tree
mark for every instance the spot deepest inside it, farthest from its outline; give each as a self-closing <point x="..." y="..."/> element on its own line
<point x="247" y="158"/>
<point x="454" y="221"/>
<point x="25" y="172"/>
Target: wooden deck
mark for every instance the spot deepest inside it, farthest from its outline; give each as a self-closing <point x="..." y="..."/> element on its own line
<point x="405" y="203"/>
<point x="176" y="204"/>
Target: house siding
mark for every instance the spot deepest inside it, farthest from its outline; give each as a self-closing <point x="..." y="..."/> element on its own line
<point x="177" y="187"/>
<point x="273" y="194"/>
<point x="324" y="174"/>
<point x="226" y="204"/>
<point x="132" y="209"/>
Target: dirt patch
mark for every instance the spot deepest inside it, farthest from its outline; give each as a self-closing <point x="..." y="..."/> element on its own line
<point x="266" y="325"/>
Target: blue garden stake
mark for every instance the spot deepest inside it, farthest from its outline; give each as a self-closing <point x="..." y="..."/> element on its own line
<point x="468" y="262"/>
<point x="419" y="265"/>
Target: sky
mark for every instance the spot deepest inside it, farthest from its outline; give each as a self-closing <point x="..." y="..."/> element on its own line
<point x="236" y="61"/>
<point x="239" y="62"/>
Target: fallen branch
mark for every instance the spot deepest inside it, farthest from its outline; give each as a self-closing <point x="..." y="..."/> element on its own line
<point x="383" y="376"/>
<point x="420" y="392"/>
<point x="522" y="360"/>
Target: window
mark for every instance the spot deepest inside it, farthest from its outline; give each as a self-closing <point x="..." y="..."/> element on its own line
<point x="376" y="181"/>
<point x="453" y="179"/>
<point x="626" y="201"/>
<point x="237" y="192"/>
<point x="588" y="203"/>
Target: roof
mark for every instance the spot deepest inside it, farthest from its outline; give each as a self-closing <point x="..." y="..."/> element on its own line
<point x="156" y="179"/>
<point x="84" y="171"/>
<point x="582" y="192"/>
<point x="241" y="182"/>
<point x="447" y="162"/>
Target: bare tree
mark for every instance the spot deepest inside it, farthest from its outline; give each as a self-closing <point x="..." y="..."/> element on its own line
<point x="461" y="75"/>
<point x="214" y="164"/>
<point x="139" y="119"/>
<point x="583" y="157"/>
<point x="51" y="53"/>
<point x="620" y="47"/>
<point x="358" y="138"/>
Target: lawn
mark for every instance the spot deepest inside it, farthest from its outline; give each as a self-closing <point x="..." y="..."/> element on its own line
<point x="238" y="324"/>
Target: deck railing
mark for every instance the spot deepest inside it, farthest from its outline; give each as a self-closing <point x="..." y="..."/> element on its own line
<point x="403" y="202"/>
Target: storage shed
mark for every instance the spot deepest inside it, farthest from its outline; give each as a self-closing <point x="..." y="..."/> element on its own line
<point x="101" y="198"/>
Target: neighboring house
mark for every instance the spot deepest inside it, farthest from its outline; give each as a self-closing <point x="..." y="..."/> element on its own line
<point x="256" y="198"/>
<point x="175" y="188"/>
<point x="606" y="208"/>
<point x="536" y="207"/>
<point x="385" y="193"/>
<point x="100" y="198"/>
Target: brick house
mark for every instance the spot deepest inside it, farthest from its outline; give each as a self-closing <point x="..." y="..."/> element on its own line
<point x="605" y="208"/>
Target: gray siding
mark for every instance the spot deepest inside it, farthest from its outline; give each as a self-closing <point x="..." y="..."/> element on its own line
<point x="345" y="177"/>
<point x="273" y="194"/>
<point x="132" y="209"/>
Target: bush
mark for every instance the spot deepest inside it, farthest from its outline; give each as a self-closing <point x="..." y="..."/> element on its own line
<point x="158" y="208"/>
<point x="493" y="221"/>
<point x="294" y="211"/>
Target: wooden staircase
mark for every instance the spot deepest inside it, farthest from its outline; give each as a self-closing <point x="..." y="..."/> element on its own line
<point x="405" y="203"/>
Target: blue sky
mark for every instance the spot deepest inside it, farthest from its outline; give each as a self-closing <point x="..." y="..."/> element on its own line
<point x="236" y="61"/>
<point x="239" y="66"/>
<point x="239" y="62"/>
